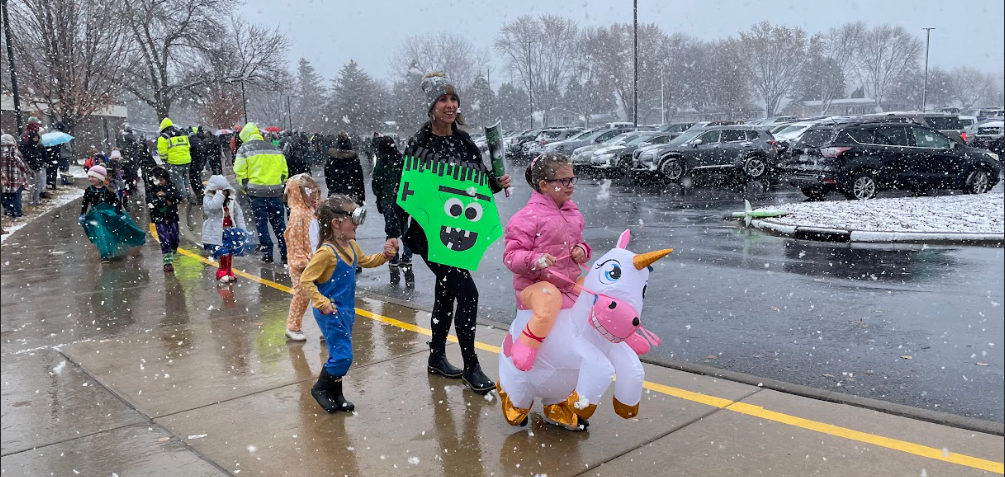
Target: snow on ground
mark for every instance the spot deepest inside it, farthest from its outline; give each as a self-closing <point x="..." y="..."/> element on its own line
<point x="972" y="214"/>
<point x="63" y="196"/>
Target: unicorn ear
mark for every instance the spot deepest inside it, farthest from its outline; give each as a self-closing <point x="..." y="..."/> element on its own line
<point x="625" y="237"/>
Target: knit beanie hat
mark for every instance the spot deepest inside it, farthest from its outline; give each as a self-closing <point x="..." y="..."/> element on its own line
<point x="436" y="84"/>
<point x="97" y="172"/>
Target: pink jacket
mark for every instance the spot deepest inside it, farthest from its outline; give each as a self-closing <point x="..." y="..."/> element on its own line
<point x="538" y="228"/>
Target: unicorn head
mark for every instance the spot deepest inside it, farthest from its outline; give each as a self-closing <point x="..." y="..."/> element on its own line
<point x="618" y="282"/>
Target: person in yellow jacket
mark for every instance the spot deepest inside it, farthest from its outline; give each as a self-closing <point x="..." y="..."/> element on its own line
<point x="261" y="172"/>
<point x="174" y="150"/>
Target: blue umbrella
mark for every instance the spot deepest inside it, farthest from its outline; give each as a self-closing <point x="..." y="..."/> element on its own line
<point x="55" y="138"/>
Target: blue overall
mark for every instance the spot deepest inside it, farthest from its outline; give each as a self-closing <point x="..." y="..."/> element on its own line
<point x="337" y="327"/>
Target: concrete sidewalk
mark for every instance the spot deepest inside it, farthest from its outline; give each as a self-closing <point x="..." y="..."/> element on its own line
<point x="227" y="397"/>
<point x="119" y="369"/>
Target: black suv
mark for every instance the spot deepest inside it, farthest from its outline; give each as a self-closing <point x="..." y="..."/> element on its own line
<point x="860" y="158"/>
<point x="748" y="151"/>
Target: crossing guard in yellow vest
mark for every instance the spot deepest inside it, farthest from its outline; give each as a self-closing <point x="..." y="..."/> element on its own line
<point x="174" y="149"/>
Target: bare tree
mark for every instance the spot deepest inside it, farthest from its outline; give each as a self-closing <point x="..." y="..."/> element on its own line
<point x="170" y="39"/>
<point x="969" y="86"/>
<point x="65" y="61"/>
<point x="450" y="53"/>
<point x="181" y="46"/>
<point x="725" y="86"/>
<point x="773" y="56"/>
<point x="886" y="54"/>
<point x="541" y="50"/>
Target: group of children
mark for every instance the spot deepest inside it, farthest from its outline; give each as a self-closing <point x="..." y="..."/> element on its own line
<point x="546" y="234"/>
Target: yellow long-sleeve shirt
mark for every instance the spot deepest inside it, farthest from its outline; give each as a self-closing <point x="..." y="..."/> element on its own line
<point x="322" y="266"/>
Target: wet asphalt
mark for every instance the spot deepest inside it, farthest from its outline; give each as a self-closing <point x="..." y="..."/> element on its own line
<point x="915" y="325"/>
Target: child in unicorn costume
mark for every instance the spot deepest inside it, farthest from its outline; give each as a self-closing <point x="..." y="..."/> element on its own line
<point x="570" y="337"/>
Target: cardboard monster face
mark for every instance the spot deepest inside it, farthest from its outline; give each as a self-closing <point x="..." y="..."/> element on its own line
<point x="454" y="206"/>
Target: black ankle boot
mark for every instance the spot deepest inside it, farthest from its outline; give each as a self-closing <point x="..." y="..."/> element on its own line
<point x="328" y="393"/>
<point x="322" y="391"/>
<point x="438" y="364"/>
<point x="475" y="379"/>
<point x="340" y="401"/>
<point x="395" y="276"/>
<point x="409" y="276"/>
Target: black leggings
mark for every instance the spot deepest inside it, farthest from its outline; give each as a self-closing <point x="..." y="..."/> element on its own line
<point x="454" y="286"/>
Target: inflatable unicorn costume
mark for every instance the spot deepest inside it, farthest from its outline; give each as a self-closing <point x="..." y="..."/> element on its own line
<point x="588" y="346"/>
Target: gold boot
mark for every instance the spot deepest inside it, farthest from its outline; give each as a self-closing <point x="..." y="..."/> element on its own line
<point x="514" y="416"/>
<point x="626" y="411"/>
<point x="564" y="414"/>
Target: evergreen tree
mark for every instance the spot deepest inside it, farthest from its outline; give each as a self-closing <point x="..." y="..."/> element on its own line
<point x="309" y="112"/>
<point x="356" y="103"/>
<point x="480" y="110"/>
<point x="513" y="105"/>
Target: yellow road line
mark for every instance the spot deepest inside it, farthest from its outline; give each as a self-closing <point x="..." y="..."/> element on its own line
<point x="721" y="403"/>
<point x="851" y="434"/>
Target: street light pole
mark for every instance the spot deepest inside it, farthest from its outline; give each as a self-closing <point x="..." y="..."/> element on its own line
<point x="663" y="110"/>
<point x="289" y="113"/>
<point x="530" y="85"/>
<point x="924" y="91"/>
<point x="635" y="108"/>
<point x="13" y="74"/>
<point x="244" y="102"/>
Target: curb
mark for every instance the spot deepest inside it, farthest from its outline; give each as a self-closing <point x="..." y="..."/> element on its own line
<point x="822" y="234"/>
<point x="935" y="417"/>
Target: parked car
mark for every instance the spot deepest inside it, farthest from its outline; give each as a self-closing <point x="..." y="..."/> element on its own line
<point x="989" y="136"/>
<point x="747" y="151"/>
<point x="861" y="157"/>
<point x="948" y="124"/>
<point x="675" y="128"/>
<point x="516" y="149"/>
<point x="618" y="156"/>
<point x="548" y="136"/>
<point x="985" y="114"/>
<point x="582" y="157"/>
<point x="593" y="136"/>
<point x="706" y="124"/>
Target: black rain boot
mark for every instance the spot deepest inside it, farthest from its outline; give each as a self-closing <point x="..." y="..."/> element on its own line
<point x="323" y="391"/>
<point x="409" y="276"/>
<point x="438" y="364"/>
<point x="395" y="276"/>
<point x="336" y="394"/>
<point x="475" y="379"/>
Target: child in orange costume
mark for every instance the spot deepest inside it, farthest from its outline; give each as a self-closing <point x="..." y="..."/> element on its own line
<point x="303" y="194"/>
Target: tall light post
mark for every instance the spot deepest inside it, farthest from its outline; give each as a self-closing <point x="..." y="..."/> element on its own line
<point x="530" y="85"/>
<point x="13" y="74"/>
<point x="244" y="100"/>
<point x="924" y="91"/>
<point x="635" y="108"/>
<point x="663" y="109"/>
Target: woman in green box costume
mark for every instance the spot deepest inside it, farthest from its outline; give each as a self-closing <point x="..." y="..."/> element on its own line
<point x="456" y="296"/>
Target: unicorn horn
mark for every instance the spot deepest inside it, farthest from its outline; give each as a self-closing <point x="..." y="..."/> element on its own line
<point x="643" y="260"/>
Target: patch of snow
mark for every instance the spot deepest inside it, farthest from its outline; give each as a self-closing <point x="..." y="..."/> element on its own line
<point x="897" y="218"/>
<point x="64" y="196"/>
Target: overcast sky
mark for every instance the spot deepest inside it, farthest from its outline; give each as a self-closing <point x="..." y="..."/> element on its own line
<point x="330" y="33"/>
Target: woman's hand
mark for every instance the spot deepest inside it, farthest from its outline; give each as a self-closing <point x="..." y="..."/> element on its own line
<point x="504" y="181"/>
<point x="578" y="254"/>
<point x="328" y="309"/>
